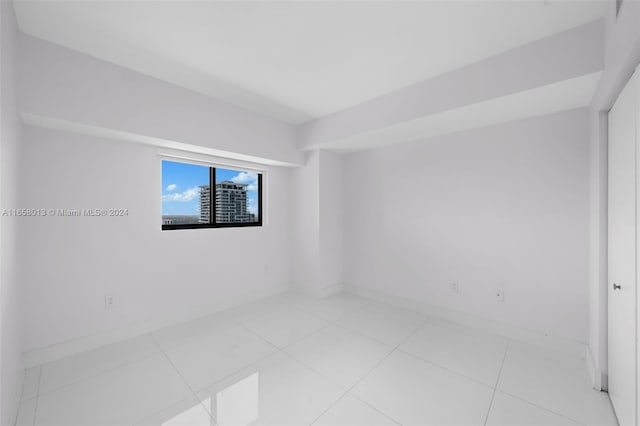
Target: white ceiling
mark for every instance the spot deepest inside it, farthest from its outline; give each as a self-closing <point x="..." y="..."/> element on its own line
<point x="297" y="60"/>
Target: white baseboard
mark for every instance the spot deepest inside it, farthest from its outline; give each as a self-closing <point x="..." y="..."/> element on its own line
<point x="491" y="326"/>
<point x="318" y="293"/>
<point x="46" y="354"/>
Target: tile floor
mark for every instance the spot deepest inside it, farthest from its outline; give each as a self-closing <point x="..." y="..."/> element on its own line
<point x="290" y="360"/>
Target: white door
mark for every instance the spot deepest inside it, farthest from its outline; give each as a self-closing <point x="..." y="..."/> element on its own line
<point x="622" y="253"/>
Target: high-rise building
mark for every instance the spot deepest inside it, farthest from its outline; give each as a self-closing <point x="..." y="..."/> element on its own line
<point x="231" y="203"/>
<point x="205" y="204"/>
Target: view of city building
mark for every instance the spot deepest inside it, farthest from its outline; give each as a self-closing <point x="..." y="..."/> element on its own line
<point x="205" y="204"/>
<point x="191" y="194"/>
<point x="231" y="203"/>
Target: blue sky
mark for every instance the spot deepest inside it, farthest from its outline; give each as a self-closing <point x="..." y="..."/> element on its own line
<point x="181" y="192"/>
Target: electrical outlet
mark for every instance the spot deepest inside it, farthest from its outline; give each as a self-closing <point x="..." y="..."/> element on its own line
<point x="454" y="286"/>
<point x="109" y="302"/>
<point x="499" y="295"/>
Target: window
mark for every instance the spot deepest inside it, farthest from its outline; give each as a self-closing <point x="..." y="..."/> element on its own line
<point x="195" y="196"/>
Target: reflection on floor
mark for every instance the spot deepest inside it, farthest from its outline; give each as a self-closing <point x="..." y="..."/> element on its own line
<point x="291" y="360"/>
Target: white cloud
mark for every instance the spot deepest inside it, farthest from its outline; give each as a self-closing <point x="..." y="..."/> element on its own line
<point x="246" y="178"/>
<point x="187" y="195"/>
<point x="172" y="187"/>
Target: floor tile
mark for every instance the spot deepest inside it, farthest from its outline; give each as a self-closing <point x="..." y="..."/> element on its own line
<point x="350" y="411"/>
<point x="207" y="357"/>
<point x="260" y="307"/>
<point x="414" y="392"/>
<point x="75" y="368"/>
<point x="509" y="411"/>
<point x="337" y="366"/>
<point x="275" y="391"/>
<point x="31" y="383"/>
<point x="556" y="381"/>
<point x="331" y="308"/>
<point x="382" y="322"/>
<point x="340" y="355"/>
<point x="282" y="324"/>
<point x="197" y="328"/>
<point x="466" y="351"/>
<point x="188" y="412"/>
<point x="123" y="396"/>
<point x="26" y="413"/>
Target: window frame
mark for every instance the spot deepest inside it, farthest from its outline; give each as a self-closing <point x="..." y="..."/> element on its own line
<point x="212" y="201"/>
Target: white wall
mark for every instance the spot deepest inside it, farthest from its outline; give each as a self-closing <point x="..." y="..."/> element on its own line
<point x="70" y="263"/>
<point x="503" y="207"/>
<point x="622" y="55"/>
<point x="10" y="300"/>
<point x="305" y="205"/>
<point x="316" y="190"/>
<point x="330" y="212"/>
<point x="64" y="86"/>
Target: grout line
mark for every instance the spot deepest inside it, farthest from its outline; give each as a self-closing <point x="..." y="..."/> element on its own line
<point x="367" y="302"/>
<point x="273" y="345"/>
<point x="225" y="377"/>
<point x="21" y="399"/>
<point x="334" y="323"/>
<point x="293" y="358"/>
<point x="24" y="386"/>
<point x="359" y="333"/>
<point x="504" y="357"/>
<point x="35" y="410"/>
<point x="234" y="372"/>
<point x="348" y="391"/>
<point x="233" y="320"/>
<point x="417" y="326"/>
<point x="542" y="408"/>
<point x="99" y="373"/>
<point x="374" y="408"/>
<point x="39" y="380"/>
<point x="328" y="408"/>
<point x="373" y="368"/>
<point x="183" y="380"/>
<point x="457" y="373"/>
<point x="288" y="355"/>
<point x="297" y="308"/>
<point x="495" y="387"/>
<point x="370" y="370"/>
<point x="386" y="356"/>
<point x="328" y="323"/>
<point x="277" y="349"/>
